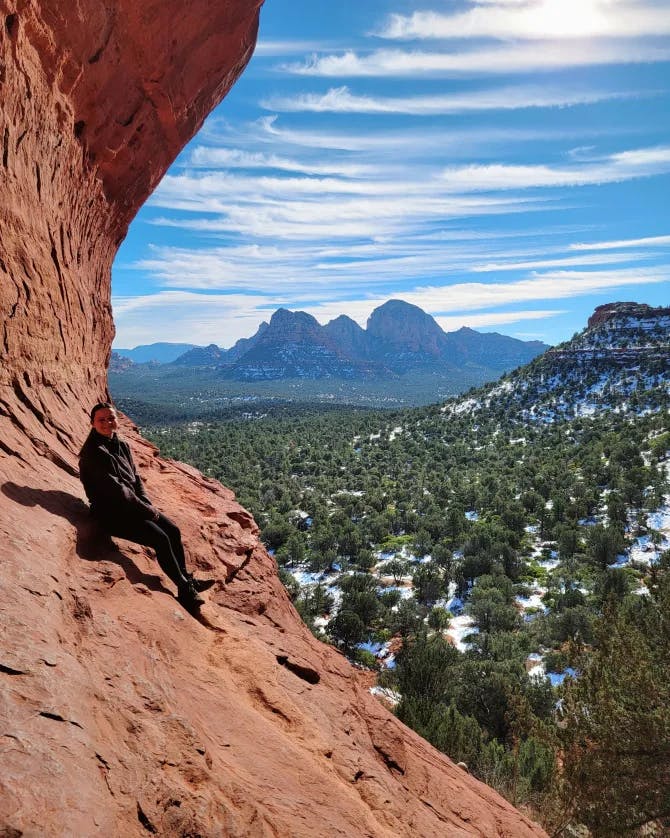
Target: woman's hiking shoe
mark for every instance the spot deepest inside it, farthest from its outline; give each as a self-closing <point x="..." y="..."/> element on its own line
<point x="201" y="585"/>
<point x="189" y="598"/>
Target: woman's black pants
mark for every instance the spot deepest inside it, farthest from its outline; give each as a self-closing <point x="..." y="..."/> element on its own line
<point x="162" y="535"/>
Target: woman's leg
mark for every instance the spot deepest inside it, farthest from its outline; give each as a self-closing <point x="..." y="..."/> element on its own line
<point x="172" y="531"/>
<point x="150" y="534"/>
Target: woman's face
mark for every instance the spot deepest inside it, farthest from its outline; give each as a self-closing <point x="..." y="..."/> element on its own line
<point x="105" y="421"/>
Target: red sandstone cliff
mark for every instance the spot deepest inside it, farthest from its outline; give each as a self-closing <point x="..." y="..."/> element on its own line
<point x="119" y="714"/>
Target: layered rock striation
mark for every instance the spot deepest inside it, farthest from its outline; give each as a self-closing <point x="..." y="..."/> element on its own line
<point x="119" y="713"/>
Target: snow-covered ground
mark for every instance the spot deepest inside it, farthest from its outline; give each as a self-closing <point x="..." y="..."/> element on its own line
<point x="405" y="591"/>
<point x="536" y="669"/>
<point x="539" y="552"/>
<point x="459" y="628"/>
<point x="534" y="601"/>
<point x="307" y="578"/>
<point x="381" y="651"/>
<point x="390" y="695"/>
<point x="535" y="665"/>
<point x="647" y="548"/>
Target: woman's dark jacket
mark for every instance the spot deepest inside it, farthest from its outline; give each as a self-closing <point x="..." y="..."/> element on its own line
<point x="112" y="484"/>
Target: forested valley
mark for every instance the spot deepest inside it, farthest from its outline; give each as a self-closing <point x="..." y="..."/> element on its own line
<point x="497" y="565"/>
<point x="507" y="581"/>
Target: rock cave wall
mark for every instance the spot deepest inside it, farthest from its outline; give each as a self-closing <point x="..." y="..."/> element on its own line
<point x="119" y="713"/>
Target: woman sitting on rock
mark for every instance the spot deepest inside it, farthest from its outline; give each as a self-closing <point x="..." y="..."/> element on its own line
<point x="121" y="506"/>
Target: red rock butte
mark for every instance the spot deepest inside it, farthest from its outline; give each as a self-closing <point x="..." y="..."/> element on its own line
<point x="120" y="714"/>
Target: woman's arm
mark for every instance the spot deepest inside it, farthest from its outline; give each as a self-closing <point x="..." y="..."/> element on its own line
<point x="140" y="491"/>
<point x="104" y="487"/>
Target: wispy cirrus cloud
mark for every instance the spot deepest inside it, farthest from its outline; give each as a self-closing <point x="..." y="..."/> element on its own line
<point x="301" y="267"/>
<point x="535" y="19"/>
<point x="385" y="202"/>
<point x="624" y="165"/>
<point x="234" y="158"/>
<point x="280" y="143"/>
<point x="270" y="47"/>
<point x="304" y="269"/>
<point x="342" y="100"/>
<point x="563" y="262"/>
<point x="517" y="58"/>
<point x="304" y="208"/>
<point x="647" y="241"/>
<point x="495" y="318"/>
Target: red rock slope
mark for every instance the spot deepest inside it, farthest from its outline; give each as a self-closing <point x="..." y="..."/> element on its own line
<point x="119" y="714"/>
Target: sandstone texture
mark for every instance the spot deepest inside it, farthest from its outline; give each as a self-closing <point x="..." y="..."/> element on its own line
<point x="120" y="714"/>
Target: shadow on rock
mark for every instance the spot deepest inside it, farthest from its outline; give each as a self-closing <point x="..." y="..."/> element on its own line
<point x="93" y="544"/>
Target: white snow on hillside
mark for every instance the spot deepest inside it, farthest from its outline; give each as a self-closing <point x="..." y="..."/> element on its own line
<point x="459" y="628"/>
<point x="609" y="367"/>
<point x="647" y="548"/>
<point x="534" y="601"/>
<point x="389" y="695"/>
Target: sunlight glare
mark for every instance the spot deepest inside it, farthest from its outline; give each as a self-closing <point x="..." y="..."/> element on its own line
<point x="569" y="18"/>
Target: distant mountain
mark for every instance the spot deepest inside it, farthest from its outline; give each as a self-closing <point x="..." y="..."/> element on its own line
<point x="294" y="345"/>
<point x="409" y="333"/>
<point x="119" y="363"/>
<point x="414" y="340"/>
<point x="353" y="341"/>
<point x="399" y="338"/>
<point x="245" y="344"/>
<point x="202" y="356"/>
<point x="619" y="362"/>
<point x="163" y="353"/>
<point x="500" y="352"/>
<point x="402" y="355"/>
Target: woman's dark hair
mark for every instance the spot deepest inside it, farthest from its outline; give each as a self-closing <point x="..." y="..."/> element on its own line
<point x="101" y="406"/>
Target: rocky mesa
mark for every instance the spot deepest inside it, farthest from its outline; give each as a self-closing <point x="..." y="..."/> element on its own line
<point x="119" y="713"/>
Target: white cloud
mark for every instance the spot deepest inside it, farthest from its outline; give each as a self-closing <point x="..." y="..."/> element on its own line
<point x="267" y="47"/>
<point x="342" y="100"/>
<point x="567" y="261"/>
<point x="517" y="58"/>
<point x="372" y="145"/>
<point x="478" y="321"/>
<point x="302" y="208"/>
<point x="298" y="267"/>
<point x="388" y="204"/>
<point x="234" y="158"/>
<point x="374" y="218"/>
<point x="647" y="241"/>
<point x="643" y="157"/>
<point x="552" y="285"/>
<point x="182" y="316"/>
<point x="617" y="167"/>
<point x="536" y="19"/>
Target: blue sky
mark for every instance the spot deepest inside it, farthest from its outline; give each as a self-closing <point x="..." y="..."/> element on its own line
<point x="503" y="164"/>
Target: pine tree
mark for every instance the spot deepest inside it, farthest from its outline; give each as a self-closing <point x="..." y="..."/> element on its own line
<point x="616" y="720"/>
